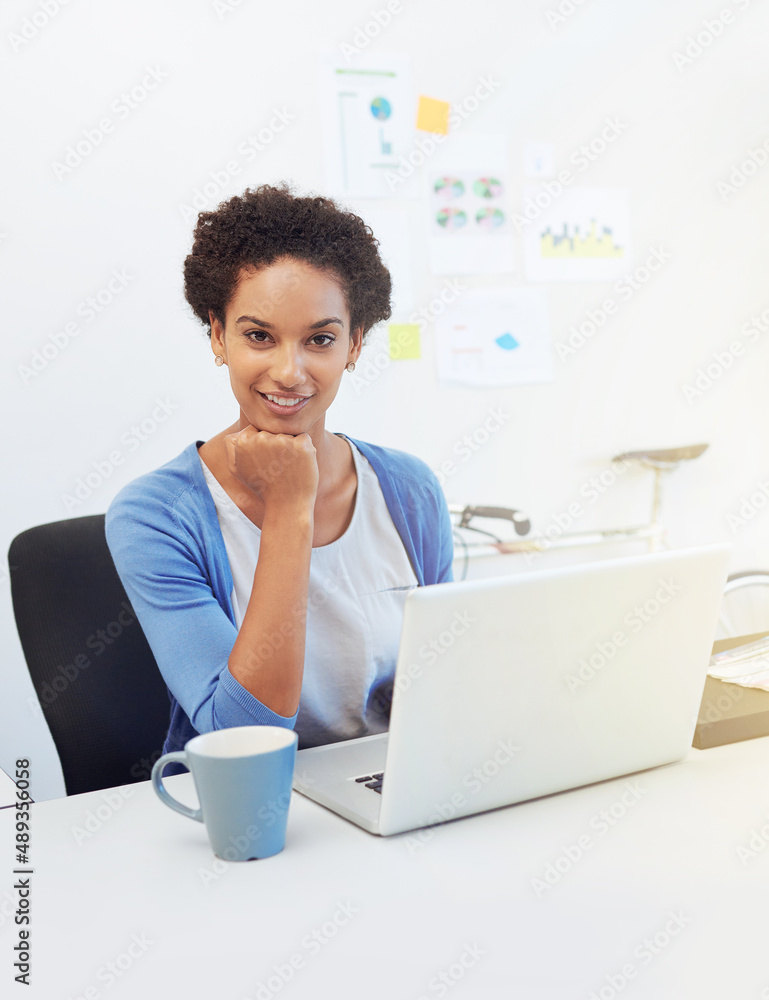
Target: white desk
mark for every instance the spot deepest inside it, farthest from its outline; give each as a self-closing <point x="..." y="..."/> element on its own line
<point x="419" y="906"/>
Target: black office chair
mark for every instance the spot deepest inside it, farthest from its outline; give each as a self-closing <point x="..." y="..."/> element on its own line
<point x="98" y="684"/>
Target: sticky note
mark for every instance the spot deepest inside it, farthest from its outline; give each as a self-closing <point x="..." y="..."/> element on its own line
<point x="432" y="115"/>
<point x="404" y="341"/>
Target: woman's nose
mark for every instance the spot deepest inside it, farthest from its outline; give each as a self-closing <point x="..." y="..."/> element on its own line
<point x="287" y="367"/>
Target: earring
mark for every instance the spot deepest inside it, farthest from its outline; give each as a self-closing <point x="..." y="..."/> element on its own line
<point x="218" y="361"/>
<point x="351" y="367"/>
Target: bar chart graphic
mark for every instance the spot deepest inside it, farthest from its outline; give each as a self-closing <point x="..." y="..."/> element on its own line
<point x="582" y="235"/>
<point x="573" y="243"/>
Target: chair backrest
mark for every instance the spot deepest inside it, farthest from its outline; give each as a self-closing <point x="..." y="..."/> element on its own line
<point x="98" y="684"/>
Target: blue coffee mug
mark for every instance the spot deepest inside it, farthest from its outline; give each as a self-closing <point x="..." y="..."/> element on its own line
<point x="243" y="778"/>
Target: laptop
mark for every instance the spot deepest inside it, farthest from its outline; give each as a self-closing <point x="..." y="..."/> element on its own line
<point x="515" y="687"/>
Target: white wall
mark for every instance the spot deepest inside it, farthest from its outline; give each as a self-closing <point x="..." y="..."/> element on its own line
<point x="120" y="209"/>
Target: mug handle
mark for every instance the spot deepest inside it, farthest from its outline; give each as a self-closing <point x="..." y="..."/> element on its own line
<point x="157" y="783"/>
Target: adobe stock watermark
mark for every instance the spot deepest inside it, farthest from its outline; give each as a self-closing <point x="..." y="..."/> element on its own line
<point x="582" y="157"/>
<point x="470" y="444"/>
<point x="370" y="367"/>
<point x="208" y="193"/>
<point x="706" y="376"/>
<point x="757" y="843"/>
<point x="598" y="825"/>
<point x="122" y="107"/>
<point x="426" y="146"/>
<point x="712" y="28"/>
<point x="294" y="614"/>
<point x="131" y="440"/>
<point x="645" y="953"/>
<point x="750" y="506"/>
<point x="112" y="971"/>
<point x="311" y="945"/>
<point x="224" y="7"/>
<point x="741" y="172"/>
<point x="562" y="12"/>
<point x="715" y="710"/>
<point x="33" y="24"/>
<point x="474" y="781"/>
<point x="604" y="650"/>
<point x="450" y="292"/>
<point x="440" y="984"/>
<point x="268" y="814"/>
<point x="428" y="655"/>
<point x="265" y="304"/>
<point x="590" y="491"/>
<point x="365" y="33"/>
<point x="88" y="310"/>
<point x="429" y="652"/>
<point x="625" y="289"/>
<point x="142" y="769"/>
<point x="95" y="818"/>
<point x="67" y="673"/>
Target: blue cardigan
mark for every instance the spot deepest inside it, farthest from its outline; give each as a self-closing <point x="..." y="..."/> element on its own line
<point x="164" y="535"/>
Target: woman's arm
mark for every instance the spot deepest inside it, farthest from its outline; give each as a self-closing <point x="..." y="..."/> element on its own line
<point x="268" y="655"/>
<point x="176" y="575"/>
<point x="178" y="584"/>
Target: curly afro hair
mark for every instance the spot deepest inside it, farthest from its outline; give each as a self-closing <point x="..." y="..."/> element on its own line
<point x="253" y="230"/>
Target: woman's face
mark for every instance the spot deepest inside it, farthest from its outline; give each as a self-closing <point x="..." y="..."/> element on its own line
<point x="286" y="335"/>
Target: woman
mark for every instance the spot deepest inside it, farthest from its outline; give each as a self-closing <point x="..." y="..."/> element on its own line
<point x="268" y="566"/>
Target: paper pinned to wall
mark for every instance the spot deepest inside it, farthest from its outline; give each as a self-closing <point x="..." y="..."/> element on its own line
<point x="469" y="209"/>
<point x="539" y="159"/>
<point x="499" y="337"/>
<point x="368" y="110"/>
<point x="583" y="234"/>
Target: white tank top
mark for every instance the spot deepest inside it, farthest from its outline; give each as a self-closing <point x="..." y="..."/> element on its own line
<point x="357" y="587"/>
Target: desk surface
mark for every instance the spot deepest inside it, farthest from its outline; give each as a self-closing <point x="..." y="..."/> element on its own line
<point x="127" y="899"/>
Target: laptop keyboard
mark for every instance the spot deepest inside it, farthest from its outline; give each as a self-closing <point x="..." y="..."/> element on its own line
<point x="373" y="781"/>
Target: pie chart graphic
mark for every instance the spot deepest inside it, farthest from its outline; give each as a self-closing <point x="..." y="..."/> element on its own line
<point x="449" y="187"/>
<point x="489" y="218"/>
<point x="487" y="187"/>
<point x="507" y="342"/>
<point x="380" y="108"/>
<point x="451" y="219"/>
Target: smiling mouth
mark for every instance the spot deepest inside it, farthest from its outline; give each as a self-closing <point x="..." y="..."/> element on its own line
<point x="284" y="404"/>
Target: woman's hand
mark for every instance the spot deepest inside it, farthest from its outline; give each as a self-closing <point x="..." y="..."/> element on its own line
<point x="281" y="469"/>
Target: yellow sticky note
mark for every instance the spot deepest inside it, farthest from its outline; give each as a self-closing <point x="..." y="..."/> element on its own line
<point x="433" y="116"/>
<point x="404" y="341"/>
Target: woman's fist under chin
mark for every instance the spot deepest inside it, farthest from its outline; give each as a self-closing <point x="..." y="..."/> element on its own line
<point x="278" y="468"/>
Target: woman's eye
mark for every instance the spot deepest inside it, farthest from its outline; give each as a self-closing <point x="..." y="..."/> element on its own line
<point x="320" y="339"/>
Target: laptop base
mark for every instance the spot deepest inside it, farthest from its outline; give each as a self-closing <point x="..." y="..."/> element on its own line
<point x="327" y="776"/>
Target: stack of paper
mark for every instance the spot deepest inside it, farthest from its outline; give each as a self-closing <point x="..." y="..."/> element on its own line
<point x="747" y="665"/>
